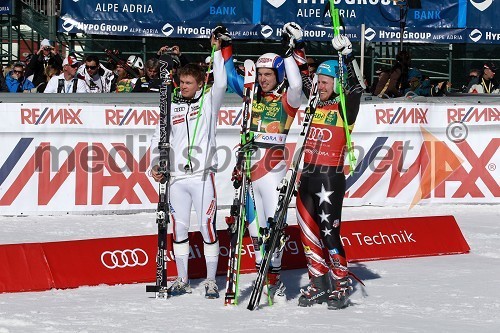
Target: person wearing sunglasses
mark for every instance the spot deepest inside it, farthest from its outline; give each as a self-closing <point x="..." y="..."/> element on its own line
<point x="16" y="81"/>
<point x="46" y="55"/>
<point x="473" y="77"/>
<point x="67" y="82"/>
<point x="98" y="78"/>
<point x="485" y="83"/>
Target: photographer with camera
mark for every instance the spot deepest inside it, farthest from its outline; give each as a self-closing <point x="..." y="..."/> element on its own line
<point x="46" y="55"/>
<point x="180" y="60"/>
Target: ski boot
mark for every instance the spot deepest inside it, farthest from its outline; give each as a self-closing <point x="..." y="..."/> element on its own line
<point x="276" y="288"/>
<point x="178" y="288"/>
<point x="317" y="292"/>
<point x="339" y="297"/>
<point x="211" y="289"/>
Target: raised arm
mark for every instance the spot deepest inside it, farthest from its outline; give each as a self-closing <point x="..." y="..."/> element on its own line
<point x="220" y="78"/>
<point x="292" y="39"/>
<point x="234" y="80"/>
<point x="353" y="88"/>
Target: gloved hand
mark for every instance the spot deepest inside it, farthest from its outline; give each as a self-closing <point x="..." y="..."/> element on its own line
<point x="342" y="44"/>
<point x="291" y="38"/>
<point x="221" y="32"/>
<point x="293" y="32"/>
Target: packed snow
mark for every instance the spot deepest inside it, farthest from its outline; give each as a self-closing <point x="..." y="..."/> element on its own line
<point x="455" y="293"/>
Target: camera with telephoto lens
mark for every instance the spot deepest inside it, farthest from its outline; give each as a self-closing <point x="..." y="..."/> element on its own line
<point x="168" y="50"/>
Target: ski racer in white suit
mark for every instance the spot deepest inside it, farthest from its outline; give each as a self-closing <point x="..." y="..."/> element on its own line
<point x="193" y="162"/>
<point x="277" y="98"/>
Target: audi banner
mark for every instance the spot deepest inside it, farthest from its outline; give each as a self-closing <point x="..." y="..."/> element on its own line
<point x="70" y="264"/>
<point x="447" y="21"/>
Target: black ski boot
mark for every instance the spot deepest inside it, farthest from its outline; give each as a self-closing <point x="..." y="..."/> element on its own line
<point x="317" y="292"/>
<point x="339" y="297"/>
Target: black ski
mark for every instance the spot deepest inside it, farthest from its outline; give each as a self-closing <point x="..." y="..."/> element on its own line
<point x="237" y="215"/>
<point x="275" y="238"/>
<point x="163" y="211"/>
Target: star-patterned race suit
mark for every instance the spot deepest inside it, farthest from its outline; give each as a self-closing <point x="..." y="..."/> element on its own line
<point x="322" y="184"/>
<point x="272" y="115"/>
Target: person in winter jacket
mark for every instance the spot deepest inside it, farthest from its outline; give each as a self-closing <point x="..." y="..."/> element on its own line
<point x="98" y="78"/>
<point x="45" y="56"/>
<point x="67" y="82"/>
<point x="150" y="82"/>
<point x="16" y="80"/>
<point x="420" y="85"/>
<point x="485" y="83"/>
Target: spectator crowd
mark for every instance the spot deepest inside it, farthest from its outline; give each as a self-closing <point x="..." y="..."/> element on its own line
<point x="47" y="72"/>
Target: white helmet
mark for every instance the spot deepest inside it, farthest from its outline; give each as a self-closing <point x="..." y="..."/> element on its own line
<point x="135" y="62"/>
<point x="272" y="61"/>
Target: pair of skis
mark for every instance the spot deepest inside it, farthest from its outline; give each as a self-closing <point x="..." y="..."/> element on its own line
<point x="163" y="210"/>
<point x="275" y="238"/>
<point x="241" y="183"/>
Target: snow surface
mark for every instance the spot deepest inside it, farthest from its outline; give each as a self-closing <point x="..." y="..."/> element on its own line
<point x="456" y="293"/>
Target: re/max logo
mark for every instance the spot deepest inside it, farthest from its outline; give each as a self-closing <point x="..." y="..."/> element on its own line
<point x="36" y="116"/>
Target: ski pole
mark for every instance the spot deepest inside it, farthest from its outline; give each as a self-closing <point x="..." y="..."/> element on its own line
<point x="336" y="31"/>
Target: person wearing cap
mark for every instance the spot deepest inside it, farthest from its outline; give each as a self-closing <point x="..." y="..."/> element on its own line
<point x="16" y="81"/>
<point x="322" y="183"/>
<point x="67" y="82"/>
<point x="417" y="86"/>
<point x="420" y="85"/>
<point x="46" y="55"/>
<point x="485" y="83"/>
<point x="277" y="98"/>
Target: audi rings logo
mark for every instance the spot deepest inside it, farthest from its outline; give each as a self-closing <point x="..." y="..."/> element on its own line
<point x="320" y="134"/>
<point x="124" y="258"/>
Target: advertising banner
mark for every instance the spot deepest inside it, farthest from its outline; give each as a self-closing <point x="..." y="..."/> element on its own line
<point x="5" y="7"/>
<point x="59" y="158"/>
<point x="447" y="21"/>
<point x="70" y="264"/>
